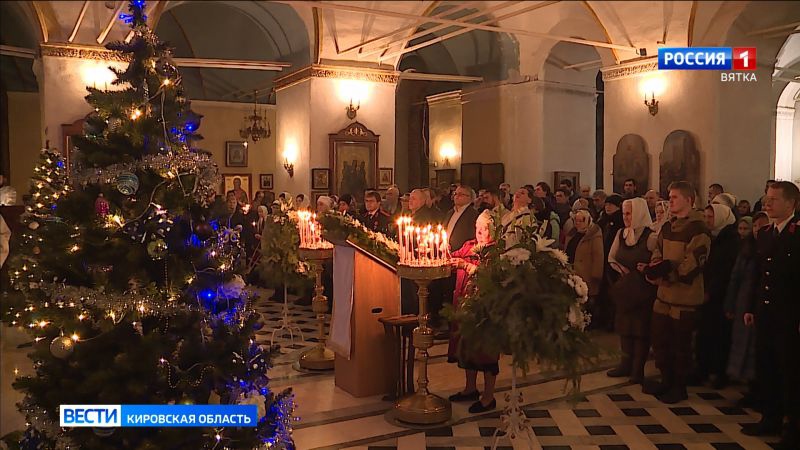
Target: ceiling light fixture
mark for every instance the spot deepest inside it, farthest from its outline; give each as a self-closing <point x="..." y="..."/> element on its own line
<point x="255" y="131"/>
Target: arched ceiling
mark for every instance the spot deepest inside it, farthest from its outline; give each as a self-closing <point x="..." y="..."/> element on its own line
<point x="16" y="73"/>
<point x="475" y="53"/>
<point x="256" y="31"/>
<point x="387" y="33"/>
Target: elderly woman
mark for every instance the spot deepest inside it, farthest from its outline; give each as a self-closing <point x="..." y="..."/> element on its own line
<point x="584" y="248"/>
<point x="631" y="293"/>
<point x="466" y="260"/>
<point x="713" y="337"/>
<point x="569" y="224"/>
<point x="324" y="204"/>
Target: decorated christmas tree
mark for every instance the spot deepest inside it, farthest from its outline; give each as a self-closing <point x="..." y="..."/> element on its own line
<point x="130" y="291"/>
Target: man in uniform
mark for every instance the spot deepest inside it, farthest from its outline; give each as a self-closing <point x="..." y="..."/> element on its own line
<point x="776" y="315"/>
<point x="375" y="218"/>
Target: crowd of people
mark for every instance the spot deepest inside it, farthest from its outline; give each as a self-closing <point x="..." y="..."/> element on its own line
<point x="706" y="288"/>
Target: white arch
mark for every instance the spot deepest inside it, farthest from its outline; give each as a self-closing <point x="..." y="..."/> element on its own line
<point x="787" y="134"/>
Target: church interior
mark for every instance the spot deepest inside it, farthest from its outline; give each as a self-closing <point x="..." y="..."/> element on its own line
<point x="306" y="103"/>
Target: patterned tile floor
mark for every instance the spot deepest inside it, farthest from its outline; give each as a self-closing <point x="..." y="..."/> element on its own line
<point x="610" y="416"/>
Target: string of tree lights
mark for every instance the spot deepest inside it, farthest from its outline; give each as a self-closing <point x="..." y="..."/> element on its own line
<point x="130" y="293"/>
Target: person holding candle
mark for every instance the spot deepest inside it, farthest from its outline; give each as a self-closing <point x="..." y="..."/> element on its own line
<point x="460" y="223"/>
<point x="466" y="261"/>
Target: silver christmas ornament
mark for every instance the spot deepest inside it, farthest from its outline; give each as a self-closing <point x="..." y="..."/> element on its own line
<point x="62" y="347"/>
<point x="127" y="183"/>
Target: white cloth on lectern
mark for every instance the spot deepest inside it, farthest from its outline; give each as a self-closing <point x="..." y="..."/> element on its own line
<point x="5" y="237"/>
<point x="343" y="279"/>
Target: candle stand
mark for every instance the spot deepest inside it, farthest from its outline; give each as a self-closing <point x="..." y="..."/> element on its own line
<point x="319" y="357"/>
<point x="423" y="407"/>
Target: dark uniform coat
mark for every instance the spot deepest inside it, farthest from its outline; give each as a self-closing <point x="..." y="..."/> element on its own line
<point x="777" y="320"/>
<point x="379" y="221"/>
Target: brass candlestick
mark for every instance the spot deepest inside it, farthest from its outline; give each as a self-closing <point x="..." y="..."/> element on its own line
<point x="422" y="407"/>
<point x="319" y="357"/>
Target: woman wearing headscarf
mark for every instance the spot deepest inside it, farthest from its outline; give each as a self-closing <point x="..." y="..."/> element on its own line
<point x="301" y="202"/>
<point x="584" y="248"/>
<point x="569" y="224"/>
<point x="741" y="290"/>
<point x="713" y="338"/>
<point x="662" y="216"/>
<point x="633" y="296"/>
<point x="285" y="201"/>
<point x="466" y="261"/>
<point x="727" y="199"/>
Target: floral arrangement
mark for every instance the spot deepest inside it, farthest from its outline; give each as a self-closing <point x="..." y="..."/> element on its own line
<point x="280" y="261"/>
<point x="338" y="227"/>
<point x="525" y="300"/>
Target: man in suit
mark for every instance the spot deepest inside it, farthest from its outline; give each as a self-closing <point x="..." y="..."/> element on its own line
<point x="776" y="315"/>
<point x="460" y="220"/>
<point x="460" y="226"/>
<point x="375" y="218"/>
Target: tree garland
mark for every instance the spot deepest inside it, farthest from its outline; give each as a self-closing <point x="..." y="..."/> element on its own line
<point x="339" y="227"/>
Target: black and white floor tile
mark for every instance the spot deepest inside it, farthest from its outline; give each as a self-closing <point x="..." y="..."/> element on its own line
<point x="609" y="416"/>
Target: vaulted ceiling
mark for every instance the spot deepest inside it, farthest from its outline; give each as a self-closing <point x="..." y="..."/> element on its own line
<point x="495" y="40"/>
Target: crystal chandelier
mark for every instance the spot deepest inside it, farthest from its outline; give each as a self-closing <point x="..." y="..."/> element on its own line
<point x="255" y="131"/>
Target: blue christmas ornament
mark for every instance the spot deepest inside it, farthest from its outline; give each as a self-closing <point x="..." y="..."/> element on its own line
<point x="208" y="294"/>
<point x="127" y="183"/>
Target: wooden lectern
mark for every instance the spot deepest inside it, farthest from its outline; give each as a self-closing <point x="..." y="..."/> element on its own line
<point x="370" y="370"/>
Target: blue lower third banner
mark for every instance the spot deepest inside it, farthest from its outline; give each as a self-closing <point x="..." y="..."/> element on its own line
<point x="158" y="415"/>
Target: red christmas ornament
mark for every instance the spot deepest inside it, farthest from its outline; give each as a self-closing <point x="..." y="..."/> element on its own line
<point x="101" y="206"/>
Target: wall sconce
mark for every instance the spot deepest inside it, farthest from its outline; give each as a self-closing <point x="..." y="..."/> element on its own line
<point x="652" y="86"/>
<point x="652" y="104"/>
<point x="289" y="167"/>
<point x="289" y="157"/>
<point x="351" y="110"/>
<point x="448" y="151"/>
<point x="354" y="92"/>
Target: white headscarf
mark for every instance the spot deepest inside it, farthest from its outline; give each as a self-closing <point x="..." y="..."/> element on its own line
<point x="640" y="219"/>
<point x="726" y="199"/>
<point x="723" y="216"/>
<point x="325" y="200"/>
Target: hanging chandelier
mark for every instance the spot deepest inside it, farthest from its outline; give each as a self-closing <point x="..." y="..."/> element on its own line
<point x="253" y="129"/>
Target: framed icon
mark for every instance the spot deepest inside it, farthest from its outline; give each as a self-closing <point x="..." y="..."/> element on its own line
<point x="265" y="181"/>
<point x="385" y="177"/>
<point x="236" y="153"/>
<point x="321" y="179"/>
<point x="354" y="161"/>
<point x="232" y="182"/>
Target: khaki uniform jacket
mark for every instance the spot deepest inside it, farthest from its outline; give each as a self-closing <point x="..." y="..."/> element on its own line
<point x="685" y="242"/>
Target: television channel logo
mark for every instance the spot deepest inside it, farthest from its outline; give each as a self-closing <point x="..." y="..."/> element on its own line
<point x="734" y="63"/>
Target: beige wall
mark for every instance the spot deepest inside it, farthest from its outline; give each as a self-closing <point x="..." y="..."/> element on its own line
<point x="62" y="83"/>
<point x="731" y="123"/>
<point x="24" y="138"/>
<point x="293" y="132"/>
<point x="221" y="122"/>
<point x="312" y="109"/>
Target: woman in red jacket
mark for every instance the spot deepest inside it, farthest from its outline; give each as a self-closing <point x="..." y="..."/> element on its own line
<point x="466" y="260"/>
